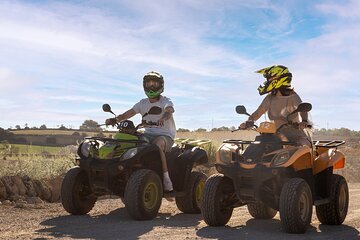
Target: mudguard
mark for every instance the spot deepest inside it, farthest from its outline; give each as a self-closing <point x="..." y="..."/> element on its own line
<point x="300" y="160"/>
<point x="330" y="158"/>
<point x="199" y="156"/>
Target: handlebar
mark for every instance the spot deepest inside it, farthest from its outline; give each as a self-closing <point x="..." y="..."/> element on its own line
<point x="248" y="125"/>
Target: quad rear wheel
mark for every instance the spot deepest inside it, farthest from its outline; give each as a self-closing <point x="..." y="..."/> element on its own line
<point x="191" y="202"/>
<point x="215" y="207"/>
<point x="143" y="194"/>
<point x="295" y="205"/>
<point x="334" y="212"/>
<point x="76" y="195"/>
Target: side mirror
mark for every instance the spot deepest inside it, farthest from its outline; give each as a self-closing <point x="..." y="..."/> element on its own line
<point x="155" y="110"/>
<point x="106" y="108"/>
<point x="304" y="107"/>
<point x="241" y="110"/>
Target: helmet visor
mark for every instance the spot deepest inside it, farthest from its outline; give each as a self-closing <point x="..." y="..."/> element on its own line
<point x="152" y="84"/>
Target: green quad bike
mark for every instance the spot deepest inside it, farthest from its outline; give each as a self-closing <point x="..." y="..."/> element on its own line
<point x="271" y="174"/>
<point x="130" y="167"/>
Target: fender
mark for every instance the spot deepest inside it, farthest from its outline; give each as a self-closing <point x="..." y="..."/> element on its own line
<point x="300" y="160"/>
<point x="331" y="157"/>
<point x="196" y="155"/>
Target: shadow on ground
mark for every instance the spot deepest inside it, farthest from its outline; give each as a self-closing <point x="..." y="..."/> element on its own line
<point x="271" y="229"/>
<point x="114" y="225"/>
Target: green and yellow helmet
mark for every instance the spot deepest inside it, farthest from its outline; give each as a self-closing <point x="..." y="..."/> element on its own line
<point x="153" y="83"/>
<point x="276" y="76"/>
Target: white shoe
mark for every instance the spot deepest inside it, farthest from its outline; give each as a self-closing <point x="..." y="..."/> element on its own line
<point x="168" y="187"/>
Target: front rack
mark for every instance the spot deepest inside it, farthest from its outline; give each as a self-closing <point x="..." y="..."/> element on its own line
<point x="104" y="139"/>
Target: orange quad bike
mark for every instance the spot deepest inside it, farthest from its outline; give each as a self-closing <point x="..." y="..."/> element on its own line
<point x="270" y="175"/>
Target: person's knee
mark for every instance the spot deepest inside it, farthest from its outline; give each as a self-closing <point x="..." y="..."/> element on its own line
<point x="160" y="143"/>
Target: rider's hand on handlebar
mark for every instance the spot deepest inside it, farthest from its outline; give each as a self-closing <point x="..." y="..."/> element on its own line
<point x="246" y="125"/>
<point x="242" y="126"/>
<point x="111" y="121"/>
<point x="160" y="122"/>
<point x="304" y="124"/>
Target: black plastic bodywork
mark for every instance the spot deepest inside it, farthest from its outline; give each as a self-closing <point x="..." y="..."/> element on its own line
<point x="110" y="176"/>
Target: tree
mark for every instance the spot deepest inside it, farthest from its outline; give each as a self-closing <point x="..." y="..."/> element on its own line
<point x="90" y="125"/>
<point x="220" y="129"/>
<point x="43" y="127"/>
<point x="18" y="127"/>
<point x="62" y="127"/>
<point x="183" y="130"/>
<point x="200" y="130"/>
<point x="6" y="135"/>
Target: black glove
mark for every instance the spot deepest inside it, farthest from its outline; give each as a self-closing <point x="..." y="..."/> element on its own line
<point x="111" y="121"/>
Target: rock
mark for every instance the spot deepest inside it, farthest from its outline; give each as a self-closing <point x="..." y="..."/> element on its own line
<point x="19" y="184"/>
<point x="46" y="193"/>
<point x="20" y="203"/>
<point x="11" y="188"/>
<point x="7" y="202"/>
<point x="16" y="197"/>
<point x="55" y="188"/>
<point x="3" y="193"/>
<point x="30" y="188"/>
<point x="34" y="200"/>
<point x="38" y="188"/>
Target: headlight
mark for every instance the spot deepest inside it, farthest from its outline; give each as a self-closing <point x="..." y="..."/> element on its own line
<point x="280" y="158"/>
<point x="85" y="148"/>
<point x="130" y="153"/>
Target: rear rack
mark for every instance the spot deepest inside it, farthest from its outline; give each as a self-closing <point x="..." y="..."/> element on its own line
<point x="328" y="143"/>
<point x="242" y="142"/>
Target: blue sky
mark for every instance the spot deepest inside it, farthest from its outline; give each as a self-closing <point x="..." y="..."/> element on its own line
<point x="61" y="60"/>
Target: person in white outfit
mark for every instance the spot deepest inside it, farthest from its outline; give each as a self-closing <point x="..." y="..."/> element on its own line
<point x="163" y="133"/>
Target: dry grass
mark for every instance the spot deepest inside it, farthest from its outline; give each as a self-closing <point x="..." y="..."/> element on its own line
<point x="36" y="167"/>
<point x="218" y="137"/>
<point x="61" y="159"/>
<point x="37" y="162"/>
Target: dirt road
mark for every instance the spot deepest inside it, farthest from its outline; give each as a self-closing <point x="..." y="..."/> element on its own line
<point x="109" y="220"/>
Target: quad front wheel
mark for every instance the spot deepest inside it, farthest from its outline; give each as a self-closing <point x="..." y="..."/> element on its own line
<point x="295" y="205"/>
<point x="334" y="212"/>
<point x="190" y="203"/>
<point x="76" y="195"/>
<point x="215" y="204"/>
<point x="143" y="194"/>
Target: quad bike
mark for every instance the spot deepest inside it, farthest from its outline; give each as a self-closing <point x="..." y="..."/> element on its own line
<point x="129" y="166"/>
<point x="270" y="175"/>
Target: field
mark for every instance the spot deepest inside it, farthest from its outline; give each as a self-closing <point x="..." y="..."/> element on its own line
<point x="21" y="219"/>
<point x="42" y="162"/>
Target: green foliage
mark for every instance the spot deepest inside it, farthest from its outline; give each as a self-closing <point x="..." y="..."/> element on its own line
<point x="183" y="130"/>
<point x="90" y="125"/>
<point x="220" y="129"/>
<point x="344" y="132"/>
<point x="62" y="127"/>
<point x="6" y="135"/>
<point x="200" y="130"/>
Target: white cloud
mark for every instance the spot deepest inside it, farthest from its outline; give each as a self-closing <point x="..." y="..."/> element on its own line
<point x="69" y="55"/>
